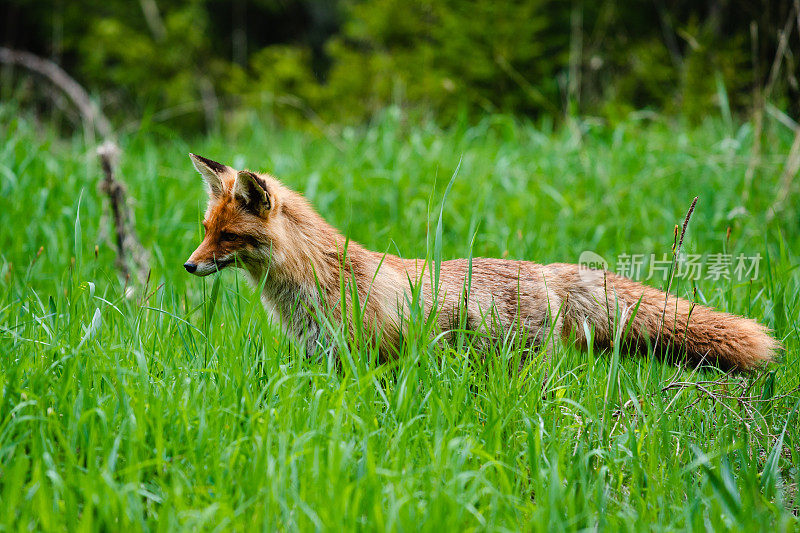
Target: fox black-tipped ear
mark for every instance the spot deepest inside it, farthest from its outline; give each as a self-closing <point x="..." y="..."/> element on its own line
<point x="252" y="192"/>
<point x="212" y="173"/>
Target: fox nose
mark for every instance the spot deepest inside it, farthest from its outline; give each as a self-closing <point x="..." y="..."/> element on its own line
<point x="190" y="267"/>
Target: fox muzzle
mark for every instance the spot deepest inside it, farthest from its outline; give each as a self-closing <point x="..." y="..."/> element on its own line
<point x="204" y="268"/>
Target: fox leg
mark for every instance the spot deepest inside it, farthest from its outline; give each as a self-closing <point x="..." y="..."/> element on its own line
<point x="310" y="336"/>
<point x="546" y="326"/>
<point x="552" y="332"/>
<point x="300" y="322"/>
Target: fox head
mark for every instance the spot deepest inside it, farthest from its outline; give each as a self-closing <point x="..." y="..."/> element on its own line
<point x="240" y="220"/>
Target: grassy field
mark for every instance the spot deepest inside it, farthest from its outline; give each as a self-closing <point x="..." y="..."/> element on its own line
<point x="186" y="408"/>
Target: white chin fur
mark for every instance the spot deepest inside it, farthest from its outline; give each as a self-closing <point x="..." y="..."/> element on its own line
<point x="204" y="269"/>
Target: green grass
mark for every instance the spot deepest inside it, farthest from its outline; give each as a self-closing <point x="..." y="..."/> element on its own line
<point x="173" y="409"/>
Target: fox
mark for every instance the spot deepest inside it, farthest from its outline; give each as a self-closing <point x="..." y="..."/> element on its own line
<point x="308" y="272"/>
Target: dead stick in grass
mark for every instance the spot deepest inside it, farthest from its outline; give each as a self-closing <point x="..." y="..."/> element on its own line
<point x="792" y="165"/>
<point x="790" y="170"/>
<point x="130" y="252"/>
<point x="63" y="81"/>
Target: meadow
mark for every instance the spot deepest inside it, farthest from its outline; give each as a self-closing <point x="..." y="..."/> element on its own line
<point x="182" y="406"/>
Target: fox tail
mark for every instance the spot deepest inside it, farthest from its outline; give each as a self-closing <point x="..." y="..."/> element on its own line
<point x="674" y="326"/>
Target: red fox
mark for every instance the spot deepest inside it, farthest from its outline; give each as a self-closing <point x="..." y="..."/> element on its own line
<point x="307" y="267"/>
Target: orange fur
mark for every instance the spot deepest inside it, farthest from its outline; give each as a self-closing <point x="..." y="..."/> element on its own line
<point x="255" y="221"/>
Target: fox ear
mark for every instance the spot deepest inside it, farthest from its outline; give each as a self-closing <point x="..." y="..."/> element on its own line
<point x="252" y="192"/>
<point x="212" y="173"/>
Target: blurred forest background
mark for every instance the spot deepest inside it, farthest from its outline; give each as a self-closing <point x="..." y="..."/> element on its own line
<point x="193" y="63"/>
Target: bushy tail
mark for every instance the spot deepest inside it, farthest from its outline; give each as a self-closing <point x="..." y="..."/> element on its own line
<point x="674" y="326"/>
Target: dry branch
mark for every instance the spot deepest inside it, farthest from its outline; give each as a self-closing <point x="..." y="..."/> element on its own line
<point x="63" y="81"/>
<point x="130" y="253"/>
<point x="792" y="166"/>
<point x="787" y="177"/>
<point x="735" y="396"/>
<point x="132" y="258"/>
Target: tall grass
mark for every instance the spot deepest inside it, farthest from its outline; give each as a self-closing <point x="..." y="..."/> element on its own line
<point x="185" y="407"/>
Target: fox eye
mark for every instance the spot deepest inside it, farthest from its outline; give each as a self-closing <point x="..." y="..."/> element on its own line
<point x="228" y="237"/>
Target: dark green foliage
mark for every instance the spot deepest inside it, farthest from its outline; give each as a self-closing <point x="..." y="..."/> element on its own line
<point x="342" y="60"/>
<point x="487" y="56"/>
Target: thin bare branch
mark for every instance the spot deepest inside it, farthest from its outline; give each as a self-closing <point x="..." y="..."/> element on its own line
<point x="130" y="253"/>
<point x="132" y="258"/>
<point x="88" y="110"/>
